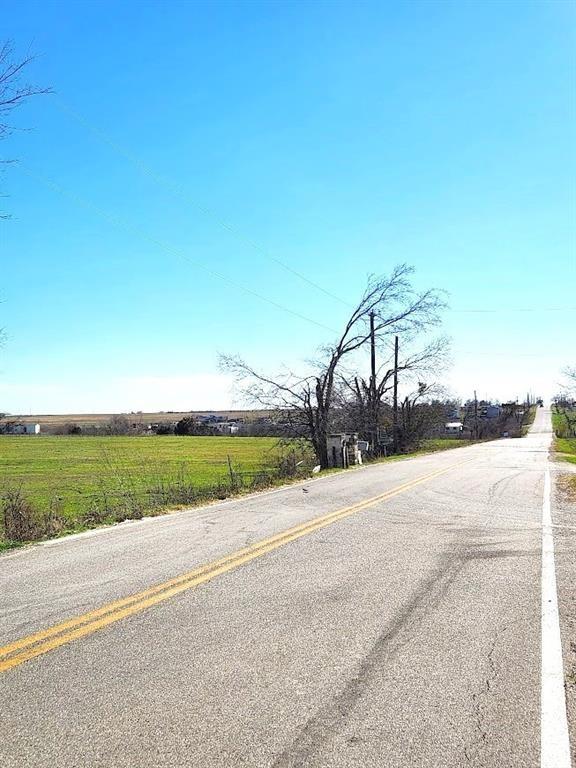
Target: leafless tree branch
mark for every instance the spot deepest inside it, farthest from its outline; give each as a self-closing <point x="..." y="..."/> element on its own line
<point x="14" y="91"/>
<point x="308" y="401"/>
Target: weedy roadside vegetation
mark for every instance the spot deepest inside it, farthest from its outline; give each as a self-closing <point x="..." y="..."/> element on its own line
<point x="22" y="522"/>
<point x="113" y="480"/>
<point x="528" y="419"/>
<point x="564" y="425"/>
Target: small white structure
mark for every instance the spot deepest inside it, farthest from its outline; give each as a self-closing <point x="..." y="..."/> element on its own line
<point x="453" y="428"/>
<point x="343" y="450"/>
<point x="227" y="427"/>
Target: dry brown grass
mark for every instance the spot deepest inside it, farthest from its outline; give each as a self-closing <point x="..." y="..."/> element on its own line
<point x="567" y="486"/>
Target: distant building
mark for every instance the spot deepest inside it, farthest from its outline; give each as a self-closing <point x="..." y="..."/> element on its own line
<point x="23" y="429"/>
<point x="227" y="427"/>
<point x="482" y="410"/>
<point x="490" y="411"/>
<point x="453" y="428"/>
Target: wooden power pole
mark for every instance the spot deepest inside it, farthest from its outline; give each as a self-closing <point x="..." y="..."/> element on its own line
<point x="373" y="408"/>
<point x="395" y="406"/>
<point x="475" y="415"/>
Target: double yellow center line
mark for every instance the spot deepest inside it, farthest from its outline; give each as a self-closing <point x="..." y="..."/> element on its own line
<point x="20" y="651"/>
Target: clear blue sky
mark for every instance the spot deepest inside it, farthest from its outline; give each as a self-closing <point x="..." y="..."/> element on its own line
<point x="341" y="138"/>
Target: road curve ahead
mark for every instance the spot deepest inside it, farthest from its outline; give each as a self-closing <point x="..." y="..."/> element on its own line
<point x="388" y="616"/>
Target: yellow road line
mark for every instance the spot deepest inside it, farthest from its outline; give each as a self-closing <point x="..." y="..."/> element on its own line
<point x="26" y="648"/>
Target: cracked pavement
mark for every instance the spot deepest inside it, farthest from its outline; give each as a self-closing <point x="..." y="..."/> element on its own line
<point x="407" y="634"/>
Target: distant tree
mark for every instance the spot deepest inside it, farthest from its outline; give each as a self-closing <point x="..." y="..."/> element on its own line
<point x="164" y="429"/>
<point x="186" y="426"/>
<point x="118" y="425"/>
<point x="570" y="378"/>
<point x="420" y="414"/>
<point x="189" y="426"/>
<point x="69" y="428"/>
<point x="7" y="427"/>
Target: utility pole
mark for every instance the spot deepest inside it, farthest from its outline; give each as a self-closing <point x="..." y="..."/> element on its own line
<point x="395" y="407"/>
<point x="475" y="416"/>
<point x="373" y="409"/>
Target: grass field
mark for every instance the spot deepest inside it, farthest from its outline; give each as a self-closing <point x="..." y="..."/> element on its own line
<point x="77" y="472"/>
<point x="51" y="485"/>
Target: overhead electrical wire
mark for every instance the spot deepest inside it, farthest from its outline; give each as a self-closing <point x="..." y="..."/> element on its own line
<point x="178" y="190"/>
<point x="518" y="309"/>
<point x="127" y="226"/>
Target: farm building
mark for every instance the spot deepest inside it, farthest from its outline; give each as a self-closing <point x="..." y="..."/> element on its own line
<point x="227" y="427"/>
<point x="22" y="429"/>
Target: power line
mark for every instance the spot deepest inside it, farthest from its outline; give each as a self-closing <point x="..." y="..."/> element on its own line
<point x="123" y="224"/>
<point x="518" y="309"/>
<point x="177" y="190"/>
<point x="505" y="354"/>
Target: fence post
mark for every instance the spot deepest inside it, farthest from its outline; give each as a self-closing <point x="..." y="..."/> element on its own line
<point x="231" y="471"/>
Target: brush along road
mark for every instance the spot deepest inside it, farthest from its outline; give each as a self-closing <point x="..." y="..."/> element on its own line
<point x="389" y="616"/>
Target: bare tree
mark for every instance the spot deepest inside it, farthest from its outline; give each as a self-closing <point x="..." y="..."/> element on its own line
<point x="363" y="402"/>
<point x="420" y="412"/>
<point x="570" y="377"/>
<point x="305" y="403"/>
<point x="14" y="90"/>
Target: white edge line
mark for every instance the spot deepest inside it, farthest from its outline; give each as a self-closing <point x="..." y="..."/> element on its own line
<point x="554" y="739"/>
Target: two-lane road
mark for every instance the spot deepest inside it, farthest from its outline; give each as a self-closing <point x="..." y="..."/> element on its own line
<point x="388" y="616"/>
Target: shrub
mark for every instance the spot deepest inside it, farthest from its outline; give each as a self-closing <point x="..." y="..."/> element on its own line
<point x="22" y="522"/>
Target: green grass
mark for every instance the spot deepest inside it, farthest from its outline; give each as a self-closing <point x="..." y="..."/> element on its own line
<point x="566" y="447"/>
<point x="443" y="444"/>
<point x="564" y="424"/>
<point x="431" y="445"/>
<point x="557" y="420"/>
<point x="76" y="470"/>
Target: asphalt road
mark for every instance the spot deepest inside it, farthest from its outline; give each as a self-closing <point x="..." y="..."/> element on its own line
<point x="405" y="632"/>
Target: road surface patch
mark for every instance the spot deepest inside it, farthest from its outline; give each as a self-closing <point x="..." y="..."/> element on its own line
<point x="34" y="645"/>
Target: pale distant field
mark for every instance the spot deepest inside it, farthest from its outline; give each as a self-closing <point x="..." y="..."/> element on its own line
<point x="86" y="419"/>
